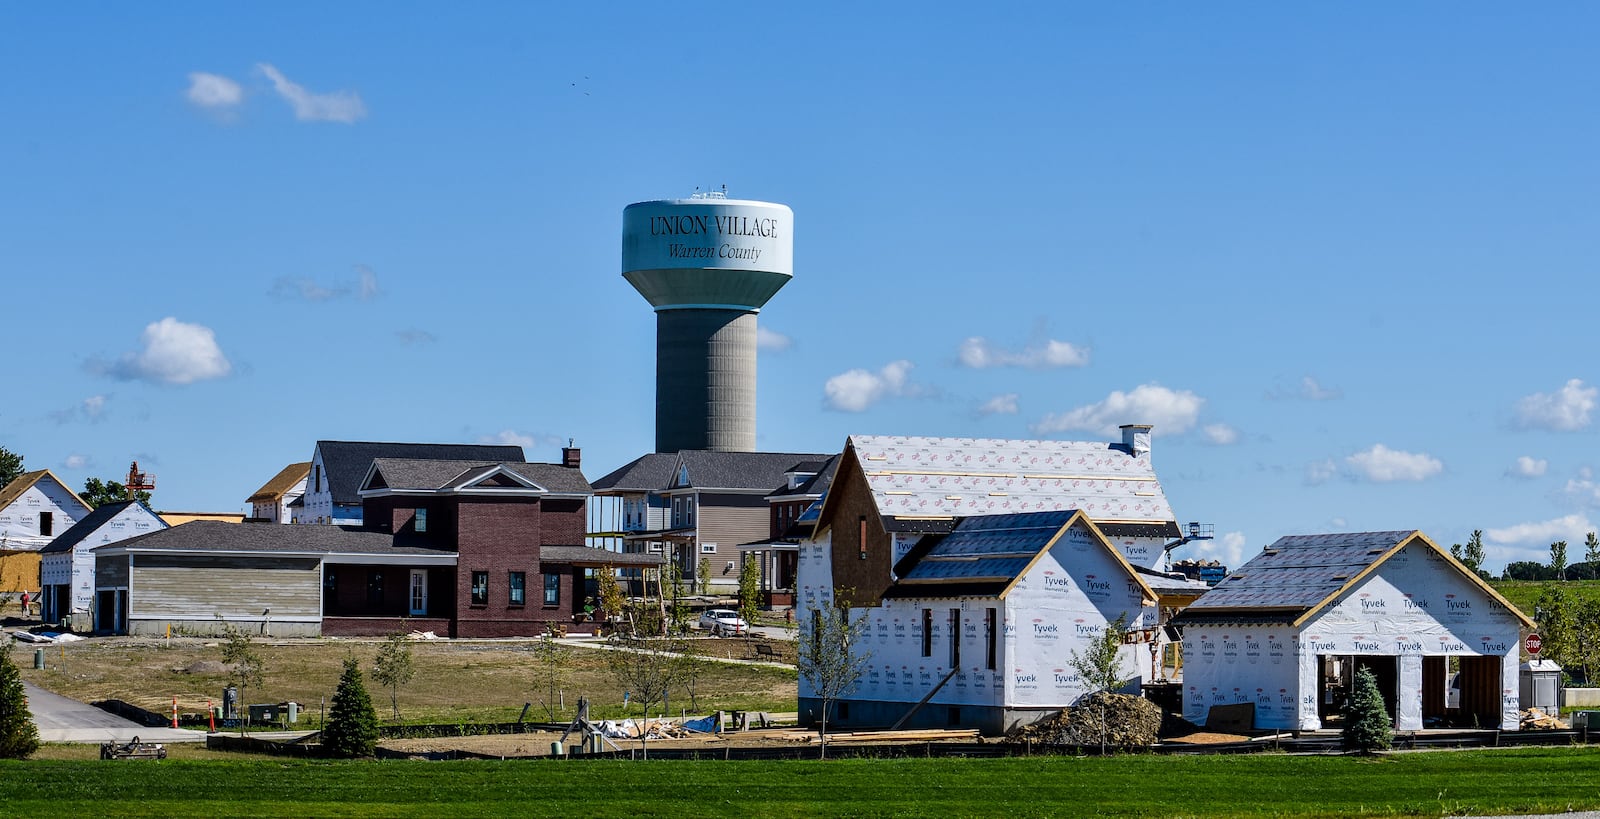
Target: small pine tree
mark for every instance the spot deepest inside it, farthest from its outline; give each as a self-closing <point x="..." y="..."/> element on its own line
<point x="352" y="729"/>
<point x="19" y="737"/>
<point x="1367" y="728"/>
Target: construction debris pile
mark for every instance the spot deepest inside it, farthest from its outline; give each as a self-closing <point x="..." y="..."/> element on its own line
<point x="1113" y="720"/>
<point x="1535" y="719"/>
<point x="652" y="729"/>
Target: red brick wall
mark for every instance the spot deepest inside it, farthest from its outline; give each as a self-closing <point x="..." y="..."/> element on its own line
<point x="863" y="580"/>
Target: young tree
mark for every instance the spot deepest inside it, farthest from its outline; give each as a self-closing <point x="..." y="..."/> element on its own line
<point x="19" y="737"/>
<point x="1591" y="549"/>
<point x="678" y="615"/>
<point x="749" y="592"/>
<point x="702" y="575"/>
<point x="352" y="729"/>
<point x="612" y="601"/>
<point x="1099" y="667"/>
<point x="645" y="668"/>
<point x="830" y="660"/>
<point x="98" y="493"/>
<point x="1472" y="556"/>
<point x="1367" y="728"/>
<point x="10" y="466"/>
<point x="547" y="669"/>
<point x="245" y="666"/>
<point x="1557" y="625"/>
<point x="1558" y="559"/>
<point x="394" y="667"/>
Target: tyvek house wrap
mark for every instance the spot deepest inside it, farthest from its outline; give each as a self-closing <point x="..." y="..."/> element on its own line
<point x="1413" y="605"/>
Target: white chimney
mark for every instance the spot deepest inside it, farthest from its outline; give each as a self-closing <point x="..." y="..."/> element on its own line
<point x="1136" y="437"/>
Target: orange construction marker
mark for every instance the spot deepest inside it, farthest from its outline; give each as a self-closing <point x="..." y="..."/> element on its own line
<point x="174" y="712"/>
<point x="211" y="716"/>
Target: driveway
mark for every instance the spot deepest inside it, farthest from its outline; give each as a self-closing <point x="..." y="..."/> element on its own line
<point x="66" y="720"/>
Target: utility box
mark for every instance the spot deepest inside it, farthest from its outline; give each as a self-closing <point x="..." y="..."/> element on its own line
<point x="264" y="713"/>
<point x="1541" y="686"/>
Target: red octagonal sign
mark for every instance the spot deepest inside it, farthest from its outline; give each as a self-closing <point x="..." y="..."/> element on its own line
<point x="1533" y="644"/>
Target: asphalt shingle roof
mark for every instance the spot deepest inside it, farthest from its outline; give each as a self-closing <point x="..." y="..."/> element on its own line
<point x="710" y="470"/>
<point x="346" y="462"/>
<point x="83" y="528"/>
<point x="643" y="474"/>
<point x="216" y="536"/>
<point x="406" y="473"/>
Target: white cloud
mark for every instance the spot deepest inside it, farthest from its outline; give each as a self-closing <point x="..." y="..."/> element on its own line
<point x="364" y="287"/>
<point x="1170" y="411"/>
<point x="1571" y="528"/>
<point x="855" y="390"/>
<point x="1565" y="410"/>
<point x="94" y="406"/>
<point x="91" y="409"/>
<point x="979" y="353"/>
<point x="772" y="340"/>
<point x="414" y="335"/>
<point x="1321" y="472"/>
<point x="1220" y="434"/>
<point x="75" y="461"/>
<point x="1583" y="491"/>
<point x="999" y="405"/>
<point x="1381" y="464"/>
<point x="1528" y="467"/>
<point x="335" y="106"/>
<point x="509" y="437"/>
<point x="213" y="91"/>
<point x="1307" y="390"/>
<point x="366" y="283"/>
<point x="172" y="352"/>
<point x="1227" y="548"/>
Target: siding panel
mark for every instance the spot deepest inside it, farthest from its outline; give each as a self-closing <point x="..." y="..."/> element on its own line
<point x="180" y="587"/>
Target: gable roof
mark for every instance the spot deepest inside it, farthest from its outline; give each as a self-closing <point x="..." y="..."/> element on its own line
<point x="738" y="471"/>
<point x="216" y="536"/>
<point x="281" y="482"/>
<point x="409" y="475"/>
<point x="1300" y="575"/>
<point x="645" y="473"/>
<point x="814" y="486"/>
<point x="345" y="462"/>
<point x="923" y="478"/>
<point x="989" y="554"/>
<point x="101" y="515"/>
<point x="26" y="481"/>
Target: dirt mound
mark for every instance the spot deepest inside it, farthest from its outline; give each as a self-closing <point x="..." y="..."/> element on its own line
<point x="1115" y="720"/>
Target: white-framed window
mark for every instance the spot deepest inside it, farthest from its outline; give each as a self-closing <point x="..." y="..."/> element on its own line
<point x="655" y="547"/>
<point x="708" y="548"/>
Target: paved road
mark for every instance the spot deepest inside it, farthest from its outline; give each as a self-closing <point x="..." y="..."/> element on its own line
<point x="67" y="720"/>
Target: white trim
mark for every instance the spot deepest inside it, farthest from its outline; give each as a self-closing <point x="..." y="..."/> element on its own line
<point x="447" y="559"/>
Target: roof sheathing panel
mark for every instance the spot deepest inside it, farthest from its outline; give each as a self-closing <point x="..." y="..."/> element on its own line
<point x="914" y="475"/>
<point x="1299" y="572"/>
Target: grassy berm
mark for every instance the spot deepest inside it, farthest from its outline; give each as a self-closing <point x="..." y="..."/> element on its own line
<point x="455" y="681"/>
<point x="1450" y="783"/>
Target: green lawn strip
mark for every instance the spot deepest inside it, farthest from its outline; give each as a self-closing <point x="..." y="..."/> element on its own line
<point x="1525" y="594"/>
<point x="1436" y="783"/>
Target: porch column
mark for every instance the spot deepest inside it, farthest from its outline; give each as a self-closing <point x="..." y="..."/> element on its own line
<point x="1408" y="700"/>
<point x="1310" y="689"/>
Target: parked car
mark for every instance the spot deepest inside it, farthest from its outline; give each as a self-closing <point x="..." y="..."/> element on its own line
<point x="723" y="622"/>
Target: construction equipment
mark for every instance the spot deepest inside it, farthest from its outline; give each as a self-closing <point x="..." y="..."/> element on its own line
<point x="133" y="749"/>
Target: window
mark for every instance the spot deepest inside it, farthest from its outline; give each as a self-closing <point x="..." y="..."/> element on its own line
<point x="47" y="523"/>
<point x="862" y="535"/>
<point x="420" y="522"/>
<point x="927" y="632"/>
<point x="375" y="589"/>
<point x="989" y="637"/>
<point x="552" y="589"/>
<point x="519" y="588"/>
<point x="316" y="481"/>
<point x="708" y="548"/>
<point x="955" y="638"/>
<point x="480" y="588"/>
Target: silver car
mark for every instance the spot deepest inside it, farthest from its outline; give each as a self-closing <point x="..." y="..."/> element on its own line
<point x="723" y="623"/>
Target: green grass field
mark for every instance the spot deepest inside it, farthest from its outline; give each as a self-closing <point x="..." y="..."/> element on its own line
<point x="1414" y="784"/>
<point x="1525" y="593"/>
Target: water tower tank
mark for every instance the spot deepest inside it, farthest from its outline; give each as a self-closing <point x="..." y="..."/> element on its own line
<point x="707" y="265"/>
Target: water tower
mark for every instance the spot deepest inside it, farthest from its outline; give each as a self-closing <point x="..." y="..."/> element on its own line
<point x="706" y="264"/>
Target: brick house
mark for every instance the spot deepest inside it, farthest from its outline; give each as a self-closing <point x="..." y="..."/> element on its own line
<point x="463" y="548"/>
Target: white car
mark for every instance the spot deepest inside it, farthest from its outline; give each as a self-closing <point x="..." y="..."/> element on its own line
<point x="723" y="622"/>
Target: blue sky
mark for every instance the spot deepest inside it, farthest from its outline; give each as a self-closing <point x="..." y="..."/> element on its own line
<point x="1342" y="257"/>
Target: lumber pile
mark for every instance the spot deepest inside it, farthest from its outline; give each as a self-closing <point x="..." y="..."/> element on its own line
<point x="926" y="735"/>
<point x="1535" y="719"/>
<point x="1116" y="720"/>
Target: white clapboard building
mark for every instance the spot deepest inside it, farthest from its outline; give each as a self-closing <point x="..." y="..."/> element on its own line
<point x="1287" y="631"/>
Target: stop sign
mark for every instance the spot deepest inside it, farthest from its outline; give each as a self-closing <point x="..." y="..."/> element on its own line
<point x="1533" y="644"/>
